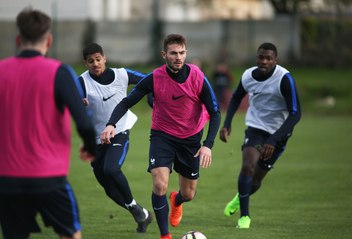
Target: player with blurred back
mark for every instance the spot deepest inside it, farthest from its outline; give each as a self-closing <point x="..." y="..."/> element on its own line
<point x="38" y="96"/>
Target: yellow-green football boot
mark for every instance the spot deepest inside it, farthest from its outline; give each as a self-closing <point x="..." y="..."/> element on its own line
<point x="244" y="222"/>
<point x="233" y="206"/>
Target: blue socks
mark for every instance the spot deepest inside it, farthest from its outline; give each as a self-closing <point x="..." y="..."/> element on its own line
<point x="161" y="210"/>
<point x="244" y="190"/>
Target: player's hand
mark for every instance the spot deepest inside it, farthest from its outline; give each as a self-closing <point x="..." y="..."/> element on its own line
<point x="85" y="101"/>
<point x="224" y="134"/>
<point x="204" y="154"/>
<point x="268" y="151"/>
<point x="85" y="155"/>
<point x="108" y="132"/>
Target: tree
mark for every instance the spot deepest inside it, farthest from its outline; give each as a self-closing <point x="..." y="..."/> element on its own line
<point x="287" y="6"/>
<point x="339" y="5"/>
<point x="295" y="6"/>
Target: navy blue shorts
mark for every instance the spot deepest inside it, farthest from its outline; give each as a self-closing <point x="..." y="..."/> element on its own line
<point x="58" y="209"/>
<point x="112" y="156"/>
<point x="165" y="152"/>
<point x="256" y="138"/>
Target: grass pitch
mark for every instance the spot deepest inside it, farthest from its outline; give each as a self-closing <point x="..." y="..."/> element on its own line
<point x="306" y="195"/>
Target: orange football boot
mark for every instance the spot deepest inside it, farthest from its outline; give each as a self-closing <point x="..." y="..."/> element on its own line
<point x="176" y="211"/>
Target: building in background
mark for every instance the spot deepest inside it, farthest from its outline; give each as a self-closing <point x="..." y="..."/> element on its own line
<point x="171" y="10"/>
<point x="131" y="29"/>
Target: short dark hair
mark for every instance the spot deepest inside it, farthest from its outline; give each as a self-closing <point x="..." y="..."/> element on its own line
<point x="174" y="39"/>
<point x="268" y="46"/>
<point x="92" y="48"/>
<point x="32" y="25"/>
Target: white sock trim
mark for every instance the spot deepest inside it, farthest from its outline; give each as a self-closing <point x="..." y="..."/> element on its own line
<point x="146" y="213"/>
<point x="131" y="204"/>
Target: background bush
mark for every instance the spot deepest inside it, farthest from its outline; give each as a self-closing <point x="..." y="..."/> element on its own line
<point x="326" y="42"/>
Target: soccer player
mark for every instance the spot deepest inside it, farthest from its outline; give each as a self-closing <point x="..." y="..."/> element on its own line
<point x="103" y="89"/>
<point x="274" y="110"/>
<point x="38" y="96"/>
<point x="183" y="101"/>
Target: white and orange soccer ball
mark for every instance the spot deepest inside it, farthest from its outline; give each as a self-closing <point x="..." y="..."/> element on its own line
<point x="194" y="235"/>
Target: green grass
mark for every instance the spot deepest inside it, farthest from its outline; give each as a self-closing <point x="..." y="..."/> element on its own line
<point x="317" y="85"/>
<point x="306" y="195"/>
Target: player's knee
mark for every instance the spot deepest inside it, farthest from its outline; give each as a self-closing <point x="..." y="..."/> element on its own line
<point x="247" y="170"/>
<point x="160" y="188"/>
<point x="112" y="172"/>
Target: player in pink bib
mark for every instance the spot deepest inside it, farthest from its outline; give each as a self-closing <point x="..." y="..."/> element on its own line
<point x="183" y="102"/>
<point x="38" y="96"/>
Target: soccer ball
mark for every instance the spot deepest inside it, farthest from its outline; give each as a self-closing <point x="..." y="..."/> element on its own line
<point x="194" y="235"/>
